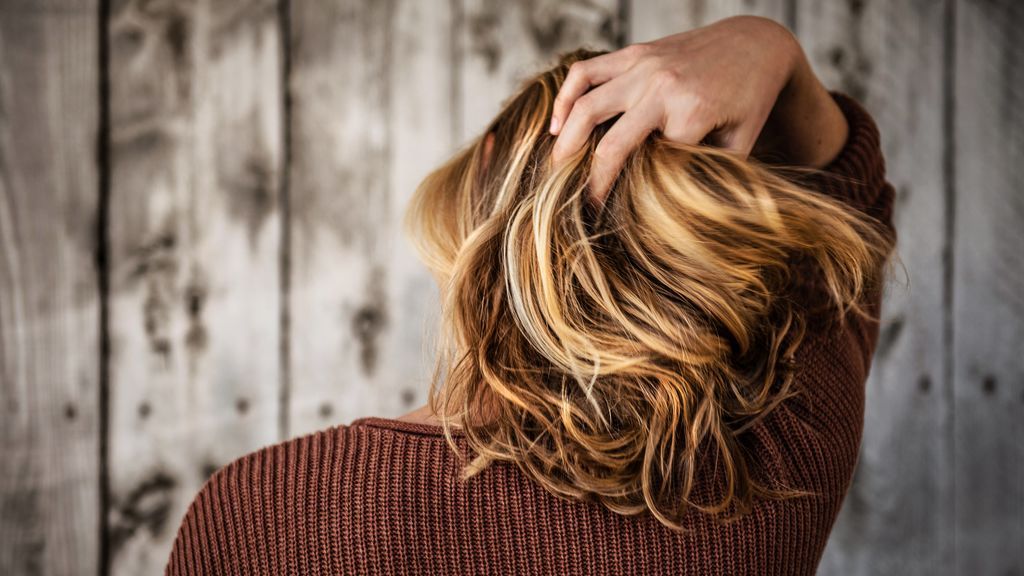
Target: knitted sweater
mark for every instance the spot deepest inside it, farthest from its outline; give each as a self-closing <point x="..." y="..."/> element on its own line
<point x="382" y="496"/>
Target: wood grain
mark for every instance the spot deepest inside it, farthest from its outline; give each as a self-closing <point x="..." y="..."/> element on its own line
<point x="988" y="287"/>
<point x="503" y="43"/>
<point x="888" y="55"/>
<point x="49" y="288"/>
<point x="340" y="92"/>
<point x="421" y="112"/>
<point x="196" y="132"/>
<point x="653" y="19"/>
<point x="371" y="88"/>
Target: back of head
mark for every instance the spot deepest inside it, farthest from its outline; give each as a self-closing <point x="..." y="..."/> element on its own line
<point x="609" y="352"/>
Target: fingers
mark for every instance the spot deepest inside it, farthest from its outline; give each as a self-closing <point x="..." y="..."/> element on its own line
<point x="739" y="141"/>
<point x="591" y="109"/>
<point x="622" y="138"/>
<point x="586" y="73"/>
<point x="688" y="122"/>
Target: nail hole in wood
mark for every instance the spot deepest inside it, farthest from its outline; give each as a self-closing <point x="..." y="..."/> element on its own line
<point x="70" y="412"/>
<point x="326" y="410"/>
<point x="988" y="384"/>
<point x="242" y="405"/>
<point x="924" y="383"/>
<point x="208" y="469"/>
<point x="145" y="410"/>
<point x="408" y="396"/>
<point x="836" y="55"/>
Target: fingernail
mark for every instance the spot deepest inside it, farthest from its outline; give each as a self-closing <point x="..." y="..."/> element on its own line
<point x="554" y="125"/>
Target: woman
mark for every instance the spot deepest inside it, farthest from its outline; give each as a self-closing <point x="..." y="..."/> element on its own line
<point x="661" y="271"/>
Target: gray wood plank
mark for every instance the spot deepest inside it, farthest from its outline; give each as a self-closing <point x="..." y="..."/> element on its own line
<point x="371" y="96"/>
<point x="421" y="112"/>
<point x="897" y="513"/>
<point x="988" y="287"/>
<point x="502" y="43"/>
<point x="653" y="19"/>
<point x="196" y="131"/>
<point x="49" y="290"/>
<point x="339" y="303"/>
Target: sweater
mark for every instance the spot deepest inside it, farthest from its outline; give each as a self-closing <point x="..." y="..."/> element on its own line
<point x="382" y="496"/>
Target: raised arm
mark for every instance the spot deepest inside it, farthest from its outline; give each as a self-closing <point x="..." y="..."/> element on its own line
<point x="742" y="83"/>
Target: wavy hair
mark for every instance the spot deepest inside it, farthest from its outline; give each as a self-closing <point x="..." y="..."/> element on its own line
<point x="609" y="351"/>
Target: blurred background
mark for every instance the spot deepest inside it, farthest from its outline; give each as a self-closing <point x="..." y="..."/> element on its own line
<point x="200" y="250"/>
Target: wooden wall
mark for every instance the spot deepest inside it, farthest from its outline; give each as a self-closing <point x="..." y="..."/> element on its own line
<point x="200" y="250"/>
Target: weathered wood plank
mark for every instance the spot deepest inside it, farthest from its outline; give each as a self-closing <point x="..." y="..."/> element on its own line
<point x="988" y="287"/>
<point x="502" y="43"/>
<point x="49" y="288"/>
<point x="653" y="19"/>
<point x="340" y="90"/>
<point x="897" y="514"/>
<point x="196" y="130"/>
<point x="421" y="112"/>
<point x="371" y="100"/>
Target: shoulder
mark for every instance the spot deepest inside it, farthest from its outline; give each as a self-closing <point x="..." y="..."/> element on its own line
<point x="300" y="506"/>
<point x="246" y="514"/>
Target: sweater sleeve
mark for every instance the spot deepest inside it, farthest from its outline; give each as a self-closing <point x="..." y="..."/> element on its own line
<point x="857" y="177"/>
<point x="857" y="174"/>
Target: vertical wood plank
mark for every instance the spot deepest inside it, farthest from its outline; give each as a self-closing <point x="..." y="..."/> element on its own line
<point x="49" y="295"/>
<point x="371" y="101"/>
<point x="196" y="134"/>
<point x="340" y="90"/>
<point x="988" y="287"/>
<point x="421" y="113"/>
<point x="897" y="513"/>
<point x="502" y="43"/>
<point x="653" y="19"/>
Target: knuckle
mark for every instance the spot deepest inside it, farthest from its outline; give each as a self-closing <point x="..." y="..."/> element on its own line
<point x="637" y="50"/>
<point x="666" y="79"/>
<point x="578" y="69"/>
<point x="584" y="107"/>
<point x="699" y="103"/>
<point x="608" y="150"/>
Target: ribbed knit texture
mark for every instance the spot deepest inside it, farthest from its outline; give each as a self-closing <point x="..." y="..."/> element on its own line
<point x="382" y="496"/>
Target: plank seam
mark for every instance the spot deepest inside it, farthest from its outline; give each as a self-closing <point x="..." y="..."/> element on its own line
<point x="949" y="240"/>
<point x="103" y="273"/>
<point x="284" y="207"/>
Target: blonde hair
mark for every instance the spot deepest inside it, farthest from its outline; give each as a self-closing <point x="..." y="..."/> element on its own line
<point x="599" y="348"/>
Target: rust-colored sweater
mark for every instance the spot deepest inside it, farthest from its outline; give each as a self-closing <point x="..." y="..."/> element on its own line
<point x="381" y="496"/>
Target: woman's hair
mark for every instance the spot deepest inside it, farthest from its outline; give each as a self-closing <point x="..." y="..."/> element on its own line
<point x="610" y="351"/>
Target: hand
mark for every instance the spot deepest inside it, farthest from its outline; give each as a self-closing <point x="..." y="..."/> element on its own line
<point x="716" y="84"/>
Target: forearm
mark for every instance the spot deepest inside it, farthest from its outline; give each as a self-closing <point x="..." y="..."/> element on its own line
<point x="805" y="127"/>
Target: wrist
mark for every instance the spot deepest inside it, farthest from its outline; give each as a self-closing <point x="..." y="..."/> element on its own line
<point x="805" y="127"/>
